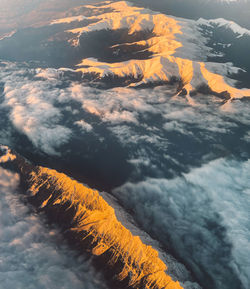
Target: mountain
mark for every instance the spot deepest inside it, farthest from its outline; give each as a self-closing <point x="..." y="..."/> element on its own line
<point x="90" y="221"/>
<point x="152" y="49"/>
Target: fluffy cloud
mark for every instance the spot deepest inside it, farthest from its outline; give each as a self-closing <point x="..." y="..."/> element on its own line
<point x="32" y="110"/>
<point x="51" y="115"/>
<point x="84" y="125"/>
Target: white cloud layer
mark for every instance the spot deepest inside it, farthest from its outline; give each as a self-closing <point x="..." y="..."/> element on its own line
<point x="32" y="110"/>
<point x="204" y="215"/>
<point x="48" y="114"/>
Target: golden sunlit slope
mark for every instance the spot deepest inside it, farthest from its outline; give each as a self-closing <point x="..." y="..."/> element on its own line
<point x="94" y="219"/>
<point x="169" y="35"/>
<point x="7" y="155"/>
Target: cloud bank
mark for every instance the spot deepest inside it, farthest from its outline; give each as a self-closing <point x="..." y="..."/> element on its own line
<point x="202" y="216"/>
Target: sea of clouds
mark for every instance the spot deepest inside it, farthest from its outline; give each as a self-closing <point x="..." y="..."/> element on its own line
<point x="50" y="110"/>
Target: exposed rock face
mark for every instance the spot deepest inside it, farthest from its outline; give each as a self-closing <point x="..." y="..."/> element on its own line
<point x="88" y="218"/>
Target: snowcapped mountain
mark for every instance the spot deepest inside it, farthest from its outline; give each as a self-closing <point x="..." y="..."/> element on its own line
<point x="221" y="22"/>
<point x="175" y="47"/>
<point x="143" y="48"/>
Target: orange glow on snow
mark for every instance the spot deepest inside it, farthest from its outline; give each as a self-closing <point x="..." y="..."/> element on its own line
<point x="163" y="44"/>
<point x="218" y="84"/>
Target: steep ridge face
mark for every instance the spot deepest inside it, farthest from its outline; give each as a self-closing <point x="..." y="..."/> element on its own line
<point x="34" y="255"/>
<point x="175" y="45"/>
<point x="89" y="217"/>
